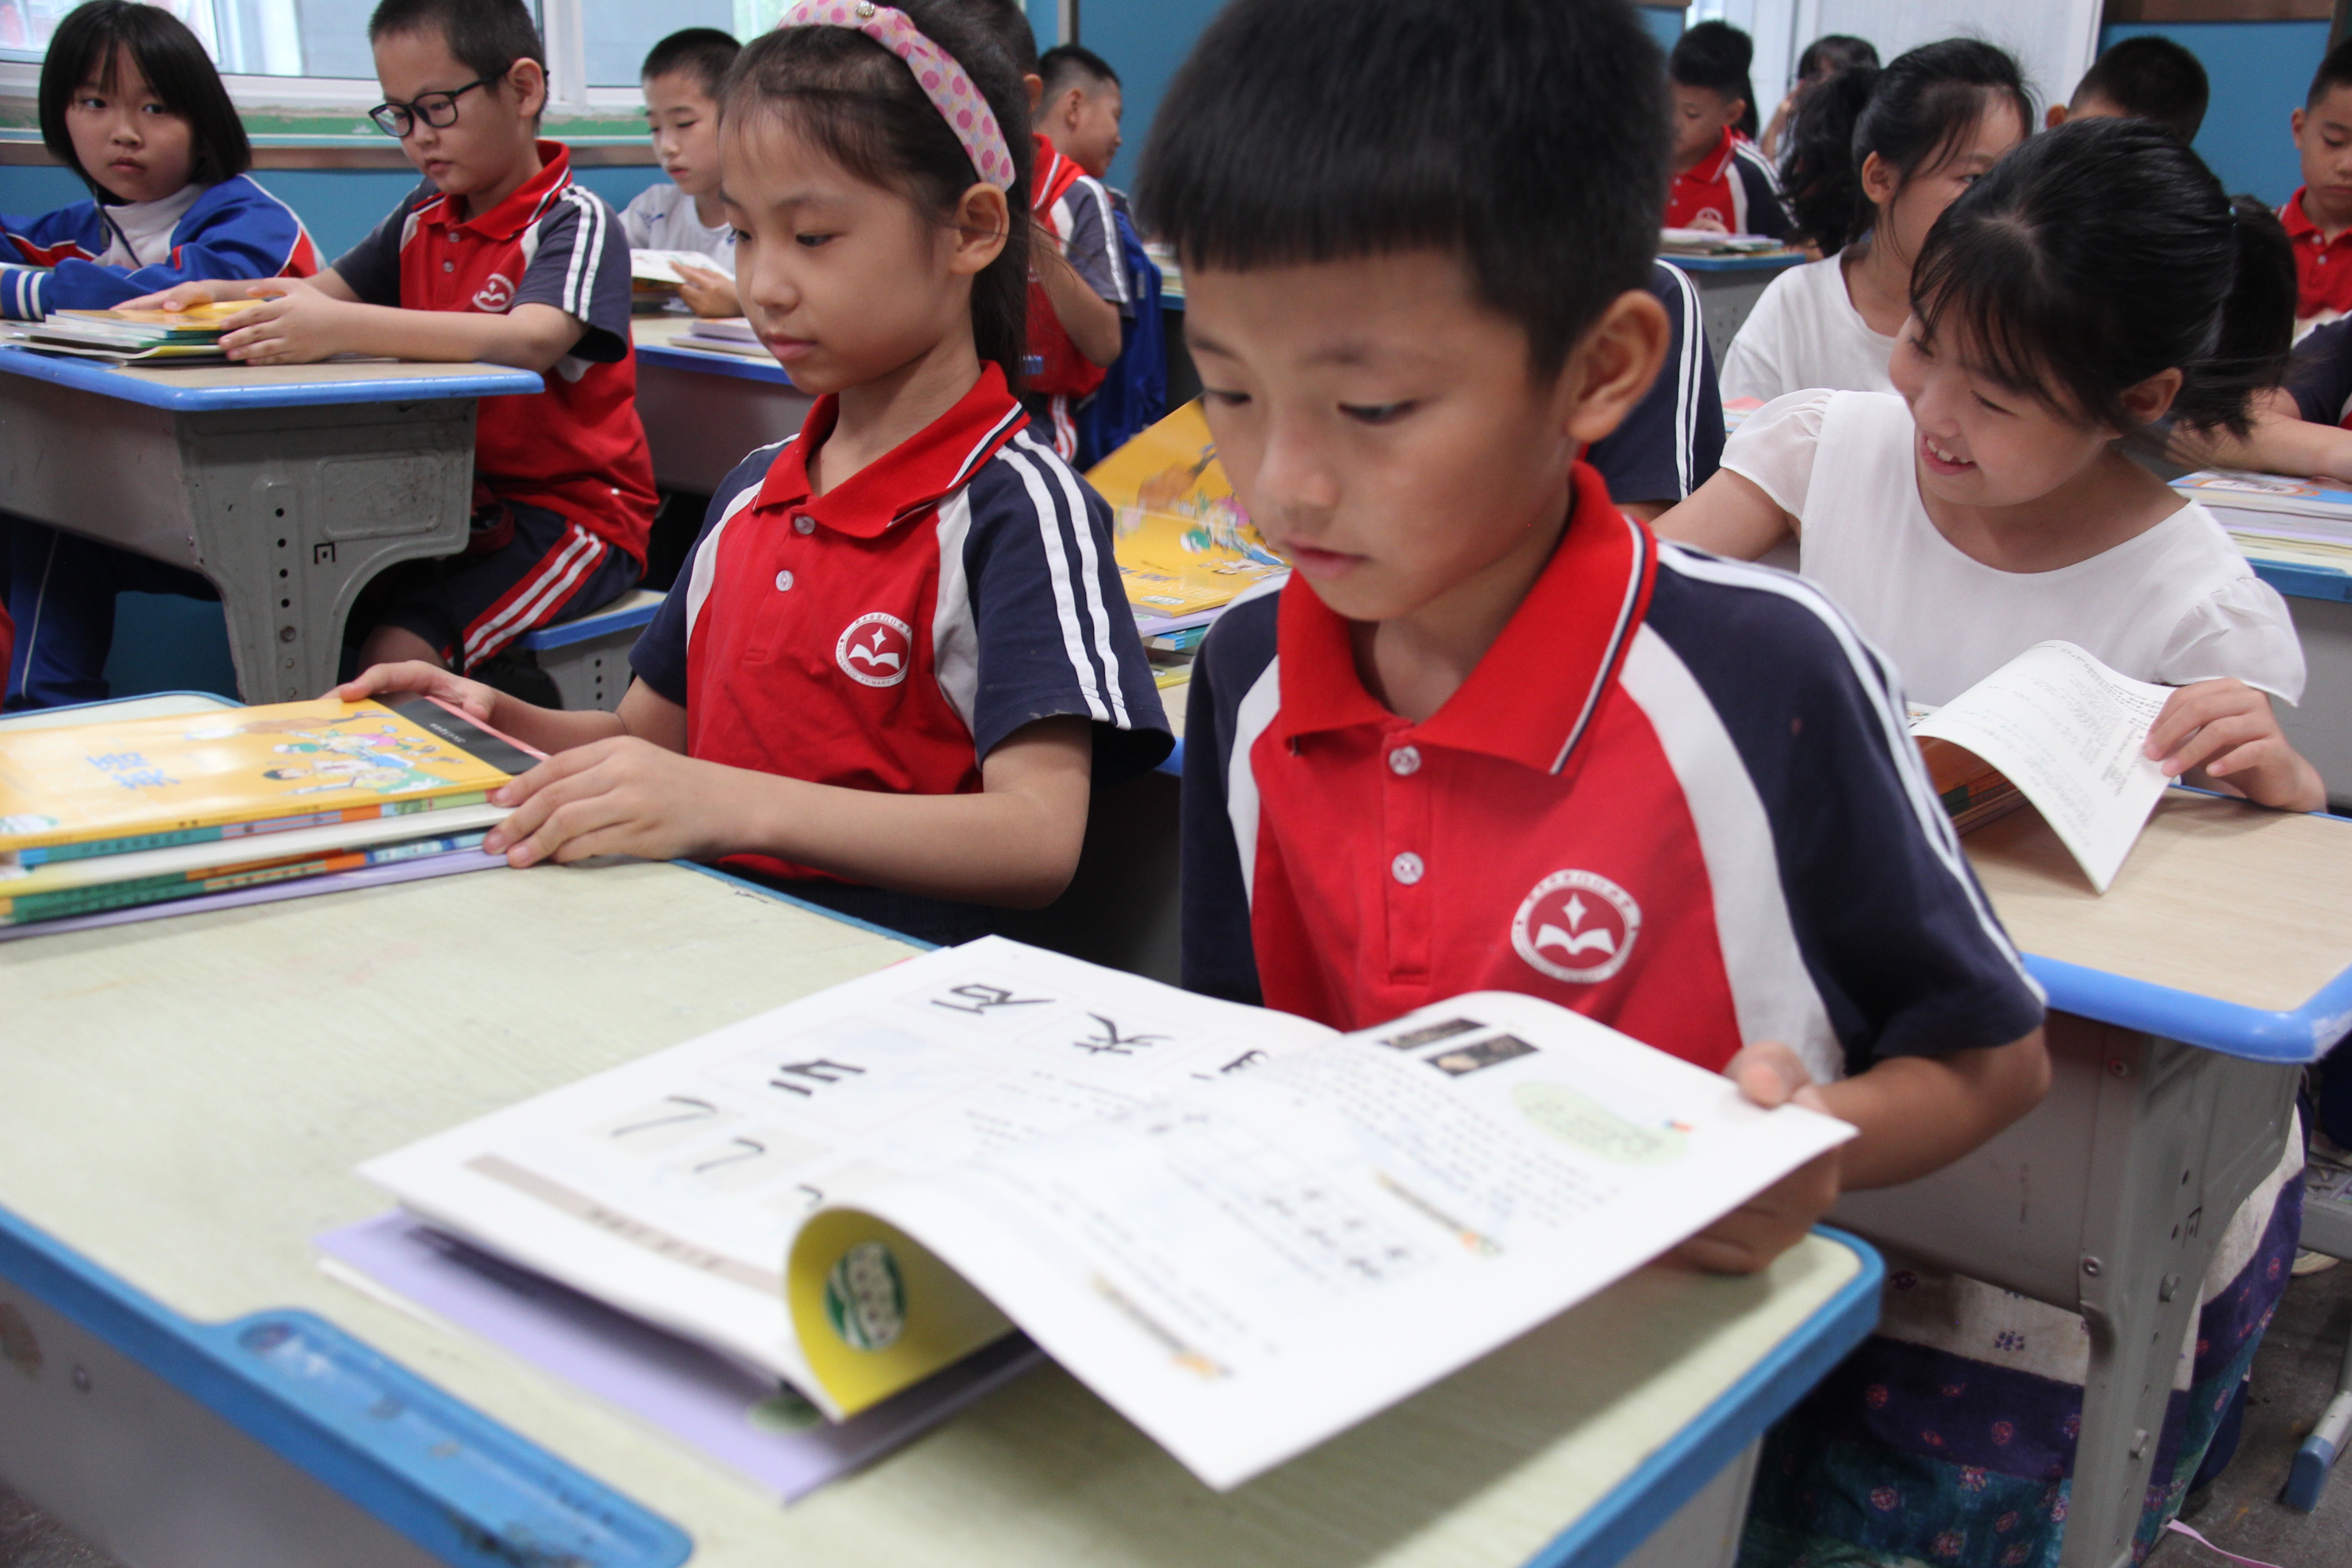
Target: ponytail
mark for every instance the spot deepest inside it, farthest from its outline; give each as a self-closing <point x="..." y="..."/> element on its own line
<point x="2256" y="328"/>
<point x="2101" y="254"/>
<point x="1818" y="170"/>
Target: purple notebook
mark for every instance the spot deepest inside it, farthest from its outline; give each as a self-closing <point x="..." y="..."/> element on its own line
<point x="448" y="865"/>
<point x="715" y="1405"/>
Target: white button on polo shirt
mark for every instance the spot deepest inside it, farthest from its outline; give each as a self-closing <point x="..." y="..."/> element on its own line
<point x="1407" y="867"/>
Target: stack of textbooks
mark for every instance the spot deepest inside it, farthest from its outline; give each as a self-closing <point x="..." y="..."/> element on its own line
<point x="104" y="818"/>
<point x="2297" y="523"/>
<point x="131" y="337"/>
<point x="724" y="335"/>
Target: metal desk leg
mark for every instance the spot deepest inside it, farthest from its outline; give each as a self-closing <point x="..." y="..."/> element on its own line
<point x="2109" y="1199"/>
<point x="288" y="511"/>
<point x="143" y="1472"/>
<point x="2326" y="1227"/>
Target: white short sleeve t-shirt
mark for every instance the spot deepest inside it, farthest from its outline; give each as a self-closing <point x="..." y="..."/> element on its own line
<point x="2177" y="603"/>
<point x="1805" y="332"/>
<point x="661" y="218"/>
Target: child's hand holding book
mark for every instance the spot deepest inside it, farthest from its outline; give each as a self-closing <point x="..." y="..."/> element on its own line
<point x="2227" y="729"/>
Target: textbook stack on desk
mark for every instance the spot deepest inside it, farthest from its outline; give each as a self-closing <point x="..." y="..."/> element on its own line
<point x="1244" y="1231"/>
<point x="146" y="812"/>
<point x="1713" y="242"/>
<point x="724" y="335"/>
<point x="134" y="337"/>
<point x="2301" y="522"/>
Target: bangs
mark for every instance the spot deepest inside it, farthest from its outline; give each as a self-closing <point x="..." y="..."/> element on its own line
<point x="1986" y="297"/>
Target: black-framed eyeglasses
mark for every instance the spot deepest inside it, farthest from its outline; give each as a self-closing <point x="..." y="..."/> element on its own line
<point x="438" y="110"/>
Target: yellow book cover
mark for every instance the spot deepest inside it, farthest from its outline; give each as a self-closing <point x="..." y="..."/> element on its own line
<point x="1184" y="544"/>
<point x="145" y="777"/>
<point x="208" y="316"/>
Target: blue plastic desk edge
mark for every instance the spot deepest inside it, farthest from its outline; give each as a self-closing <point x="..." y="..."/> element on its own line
<point x="716" y="362"/>
<point x="2298" y="580"/>
<point x="358" y="1422"/>
<point x="1687" y="1461"/>
<point x="89" y="376"/>
<point x="749" y="886"/>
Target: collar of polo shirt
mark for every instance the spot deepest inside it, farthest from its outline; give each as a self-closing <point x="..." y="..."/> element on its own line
<point x="507" y="220"/>
<point x="912" y="478"/>
<point x="1533" y="696"/>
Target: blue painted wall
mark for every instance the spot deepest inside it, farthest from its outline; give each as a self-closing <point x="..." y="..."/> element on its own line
<point x="1145" y="41"/>
<point x="1665" y="23"/>
<point x="2260" y="71"/>
<point x="339" y="206"/>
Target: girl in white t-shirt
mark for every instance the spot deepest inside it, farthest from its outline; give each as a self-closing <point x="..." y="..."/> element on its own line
<point x="1873" y="159"/>
<point x="2064" y="306"/>
<point x="2095" y="282"/>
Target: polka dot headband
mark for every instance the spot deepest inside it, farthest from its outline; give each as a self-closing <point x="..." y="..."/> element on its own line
<point x="943" y="81"/>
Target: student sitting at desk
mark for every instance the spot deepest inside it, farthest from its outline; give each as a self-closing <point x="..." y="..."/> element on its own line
<point x="498" y="256"/>
<point x="1079" y="294"/>
<point x="900" y="651"/>
<point x="1079" y="107"/>
<point x="2147" y="78"/>
<point x="2319" y="216"/>
<point x="681" y="78"/>
<point x="1509" y="742"/>
<point x="130" y="102"/>
<point x="1722" y="182"/>
<point x="1875" y="157"/>
<point x="2097" y="280"/>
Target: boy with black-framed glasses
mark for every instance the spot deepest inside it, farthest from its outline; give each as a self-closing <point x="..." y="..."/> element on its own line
<point x="498" y="256"/>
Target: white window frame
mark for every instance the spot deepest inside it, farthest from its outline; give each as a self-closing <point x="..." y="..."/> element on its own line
<point x="568" y="92"/>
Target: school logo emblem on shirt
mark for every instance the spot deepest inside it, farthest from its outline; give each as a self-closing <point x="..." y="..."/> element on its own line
<point x="876" y="650"/>
<point x="495" y="295"/>
<point x="1576" y="926"/>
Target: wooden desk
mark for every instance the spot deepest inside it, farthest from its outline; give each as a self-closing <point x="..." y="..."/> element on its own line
<point x="2184" y="1004"/>
<point x="186" y="1099"/>
<point x="288" y="487"/>
<point x="705" y="411"/>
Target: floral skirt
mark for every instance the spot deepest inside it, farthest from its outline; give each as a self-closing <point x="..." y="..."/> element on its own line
<point x="1948" y="1440"/>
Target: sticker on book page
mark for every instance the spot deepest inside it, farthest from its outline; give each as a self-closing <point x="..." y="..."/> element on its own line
<point x="865" y="1298"/>
<point x="1583" y="1123"/>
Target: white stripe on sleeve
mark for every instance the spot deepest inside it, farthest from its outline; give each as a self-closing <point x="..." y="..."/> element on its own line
<point x="1057" y="569"/>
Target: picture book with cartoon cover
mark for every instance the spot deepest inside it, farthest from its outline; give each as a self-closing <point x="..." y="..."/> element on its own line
<point x="1184" y="544"/>
<point x="148" y="784"/>
<point x="1244" y="1230"/>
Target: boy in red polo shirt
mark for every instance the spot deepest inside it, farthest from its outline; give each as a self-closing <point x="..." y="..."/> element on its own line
<point x="2318" y="217"/>
<point x="1722" y="179"/>
<point x="1492" y="734"/>
<point x="498" y="256"/>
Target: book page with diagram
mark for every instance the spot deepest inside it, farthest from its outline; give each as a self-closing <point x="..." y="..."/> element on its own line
<point x="1260" y="1259"/>
<point x="671" y="1187"/>
<point x="2067" y="731"/>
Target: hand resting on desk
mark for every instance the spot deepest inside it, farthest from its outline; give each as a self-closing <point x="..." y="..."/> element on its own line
<point x="300" y="320"/>
<point x="621" y="783"/>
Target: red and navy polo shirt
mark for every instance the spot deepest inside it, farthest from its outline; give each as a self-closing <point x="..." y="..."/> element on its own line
<point x="1735" y="186"/>
<point x="1677" y="796"/>
<point x="889" y="634"/>
<point x="2323" y="267"/>
<point x="576" y="448"/>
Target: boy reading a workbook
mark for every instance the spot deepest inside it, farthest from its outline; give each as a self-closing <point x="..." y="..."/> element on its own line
<point x="498" y="256"/>
<point x="1510" y="742"/>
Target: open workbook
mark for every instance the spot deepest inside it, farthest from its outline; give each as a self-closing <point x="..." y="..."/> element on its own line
<point x="1243" y="1230"/>
<point x="2059" y="729"/>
